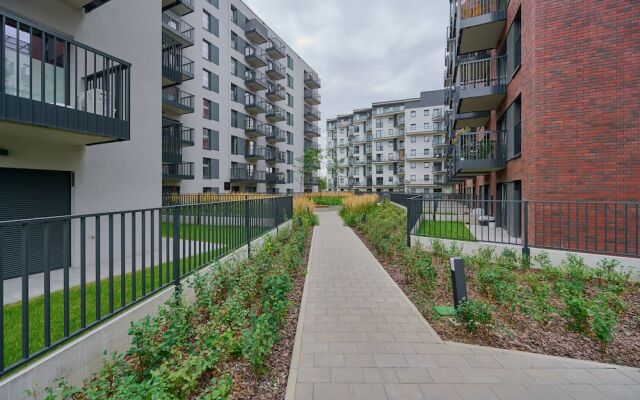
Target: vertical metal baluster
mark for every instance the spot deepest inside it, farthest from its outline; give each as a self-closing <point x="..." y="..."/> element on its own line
<point x="25" y="290"/>
<point x="153" y="251"/>
<point x="83" y="274"/>
<point x="1" y="239"/>
<point x="134" y="288"/>
<point x="47" y="287"/>
<point x="123" y="256"/>
<point x="111" y="294"/>
<point x="143" y="275"/>
<point x="66" y="245"/>
<point x="160" y="269"/>
<point x="167" y="244"/>
<point x="98" y="280"/>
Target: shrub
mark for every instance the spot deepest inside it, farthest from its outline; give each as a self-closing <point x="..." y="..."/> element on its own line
<point x="438" y="248"/>
<point x="305" y="209"/>
<point x="354" y="207"/>
<point x="576" y="311"/>
<point x="474" y="313"/>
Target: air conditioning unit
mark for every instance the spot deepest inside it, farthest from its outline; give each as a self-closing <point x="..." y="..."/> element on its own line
<point x="96" y="99"/>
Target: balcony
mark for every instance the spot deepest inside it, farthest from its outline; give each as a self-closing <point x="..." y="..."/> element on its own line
<point x="178" y="7"/>
<point x="275" y="71"/>
<point x="360" y="139"/>
<point x="479" y="153"/>
<point x="275" y="134"/>
<point x="90" y="104"/>
<point x="176" y="68"/>
<point x="368" y="127"/>
<point x="378" y="159"/>
<point x="276" y="92"/>
<point x="311" y="80"/>
<point x="256" y="32"/>
<point x="255" y="129"/>
<point x="311" y="180"/>
<point x="248" y="176"/>
<point x="172" y="141"/>
<point x="311" y="130"/>
<point x="399" y="122"/>
<point x="255" y="153"/>
<point x="481" y="85"/>
<point x="312" y="97"/>
<point x="178" y="171"/>
<point x="276" y="48"/>
<point x="481" y="22"/>
<point x="255" y="80"/>
<point x="176" y="101"/>
<point x="177" y="29"/>
<point x="419" y="182"/>
<point x="275" y="178"/>
<point x="471" y="120"/>
<point x="255" y="104"/>
<point x="276" y="114"/>
<point x="426" y="157"/>
<point x="308" y="145"/>
<point x="255" y="56"/>
<point x="396" y="133"/>
<point x="312" y="113"/>
<point x="437" y="117"/>
<point x="388" y="110"/>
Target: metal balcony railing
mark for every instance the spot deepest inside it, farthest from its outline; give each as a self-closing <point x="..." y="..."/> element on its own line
<point x="247" y="175"/>
<point x="255" y="56"/>
<point x="182" y="170"/>
<point x="276" y="48"/>
<point x="475" y="8"/>
<point x="312" y="97"/>
<point x="276" y="113"/>
<point x="310" y="129"/>
<point x="275" y="134"/>
<point x="312" y="113"/>
<point x="179" y="99"/>
<point x="311" y="80"/>
<point x="256" y="32"/>
<point x="255" y="80"/>
<point x="275" y="70"/>
<point x="254" y="128"/>
<point x="482" y="73"/>
<point x="181" y="30"/>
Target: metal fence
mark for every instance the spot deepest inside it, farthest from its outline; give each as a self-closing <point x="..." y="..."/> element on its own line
<point x="590" y="227"/>
<point x="64" y="275"/>
<point x="177" y="199"/>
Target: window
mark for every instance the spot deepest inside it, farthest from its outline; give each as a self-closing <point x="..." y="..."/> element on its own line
<point x="391" y="120"/>
<point x="426" y="113"/>
<point x="290" y="81"/>
<point x="379" y="146"/>
<point x="289" y="177"/>
<point x="426" y="152"/>
<point x="210" y="168"/>
<point x="211" y="110"/>
<point x="426" y="178"/>
<point x="379" y="169"/>
<point x="413" y="114"/>
<point x="210" y="81"/>
<point x="413" y="152"/>
<point x="237" y="119"/>
<point x="289" y="119"/>
<point x="378" y="123"/>
<point x="413" y="165"/>
<point x="426" y="165"/>
<point x="289" y="157"/>
<point x="289" y="100"/>
<point x="427" y="139"/>
<point x="210" y="139"/>
<point x="210" y="52"/>
<point x="289" y="137"/>
<point x="413" y="178"/>
<point x="215" y="3"/>
<point x="390" y="167"/>
<point x="427" y="126"/>
<point x="210" y="23"/>
<point x="437" y="112"/>
<point x="413" y="139"/>
<point x="289" y="62"/>
<point x="413" y="127"/>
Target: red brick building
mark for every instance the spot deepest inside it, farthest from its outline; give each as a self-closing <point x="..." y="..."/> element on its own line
<point x="545" y="100"/>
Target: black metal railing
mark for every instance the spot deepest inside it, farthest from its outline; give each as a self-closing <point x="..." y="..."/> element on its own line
<point x="610" y="228"/>
<point x="178" y="27"/>
<point x="255" y="80"/>
<point x="275" y="113"/>
<point x="247" y="175"/>
<point x="312" y="96"/>
<point x="182" y="170"/>
<point x="276" y="48"/>
<point x="178" y="98"/>
<point x="275" y="134"/>
<point x="50" y="80"/>
<point x="312" y="80"/>
<point x="312" y="112"/>
<point x="486" y="145"/>
<point x="254" y="128"/>
<point x="310" y="129"/>
<point x="255" y="55"/>
<point x="75" y="272"/>
<point x="475" y="8"/>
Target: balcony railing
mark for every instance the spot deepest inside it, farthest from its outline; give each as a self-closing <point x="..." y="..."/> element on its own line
<point x="422" y="156"/>
<point x="389" y="135"/>
<point x="361" y="117"/>
<point x="247" y="175"/>
<point x="255" y="152"/>
<point x="275" y="134"/>
<point x="311" y="130"/>
<point x="276" y="114"/>
<point x="388" y="110"/>
<point x="276" y="48"/>
<point x="311" y="180"/>
<point x="257" y="32"/>
<point x="386" y="158"/>
<point x="399" y="121"/>
<point x="481" y="22"/>
<point x="178" y="171"/>
<point x="480" y="151"/>
<point x="275" y="70"/>
<point x="255" y="80"/>
<point x="77" y="89"/>
<point x="312" y="113"/>
<point x="177" y="101"/>
<point x="178" y="29"/>
<point x="255" y="104"/>
<point x="311" y="80"/>
<point x="312" y="97"/>
<point x="276" y="92"/>
<point x="311" y="146"/>
<point x="476" y="8"/>
<point x="481" y="84"/>
<point x="254" y="128"/>
<point x="275" y="178"/>
<point x="176" y="68"/>
<point x="255" y="56"/>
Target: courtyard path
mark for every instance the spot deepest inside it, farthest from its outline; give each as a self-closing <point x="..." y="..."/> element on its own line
<point x="359" y="337"/>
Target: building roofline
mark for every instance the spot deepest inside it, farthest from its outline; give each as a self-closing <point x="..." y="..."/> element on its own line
<point x="383" y="103"/>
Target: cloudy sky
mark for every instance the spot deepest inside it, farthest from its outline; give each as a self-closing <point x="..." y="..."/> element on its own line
<point x="364" y="50"/>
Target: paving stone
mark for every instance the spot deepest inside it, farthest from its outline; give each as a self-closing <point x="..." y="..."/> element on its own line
<point x="413" y="375"/>
<point x="329" y="360"/>
<point x="475" y="392"/>
<point x="380" y="375"/>
<point x="347" y="375"/>
<point x="390" y="360"/>
<point x="367" y="392"/>
<point x="584" y="392"/>
<point x="314" y="374"/>
<point x="511" y="391"/>
<point x="304" y="391"/>
<point x="396" y="391"/>
<point x="439" y="391"/>
<point x="547" y="392"/>
<point x="333" y="391"/>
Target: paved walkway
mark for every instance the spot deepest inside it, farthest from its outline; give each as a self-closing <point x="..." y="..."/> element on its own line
<point x="359" y="337"/>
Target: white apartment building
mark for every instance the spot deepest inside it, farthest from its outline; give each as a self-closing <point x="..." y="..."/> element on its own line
<point x="394" y="146"/>
<point x="250" y="103"/>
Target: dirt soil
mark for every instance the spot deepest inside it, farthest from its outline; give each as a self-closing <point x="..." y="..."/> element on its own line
<point x="273" y="384"/>
<point x="515" y="331"/>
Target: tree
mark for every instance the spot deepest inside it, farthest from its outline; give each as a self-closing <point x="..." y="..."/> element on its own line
<point x="308" y="163"/>
<point x="322" y="184"/>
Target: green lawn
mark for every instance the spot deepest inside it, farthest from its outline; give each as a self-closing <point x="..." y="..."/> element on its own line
<point x="455" y="230"/>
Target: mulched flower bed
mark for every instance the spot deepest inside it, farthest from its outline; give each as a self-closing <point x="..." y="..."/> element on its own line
<point x="514" y="330"/>
<point x="273" y="384"/>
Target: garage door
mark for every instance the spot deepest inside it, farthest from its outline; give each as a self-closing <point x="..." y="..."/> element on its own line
<point x="26" y="194"/>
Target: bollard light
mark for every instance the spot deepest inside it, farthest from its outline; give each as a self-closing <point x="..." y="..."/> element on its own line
<point x="458" y="282"/>
<point x="299" y="220"/>
<point x="364" y="218"/>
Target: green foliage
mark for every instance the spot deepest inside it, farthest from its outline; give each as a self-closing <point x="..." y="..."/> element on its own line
<point x="328" y="201"/>
<point x="184" y="350"/>
<point x="438" y="248"/>
<point x="473" y="314"/>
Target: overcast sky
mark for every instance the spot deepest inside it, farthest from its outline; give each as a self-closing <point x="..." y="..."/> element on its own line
<point x="364" y="50"/>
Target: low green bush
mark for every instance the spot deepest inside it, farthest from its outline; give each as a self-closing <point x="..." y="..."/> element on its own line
<point x="473" y="314"/>
<point x="327" y="201"/>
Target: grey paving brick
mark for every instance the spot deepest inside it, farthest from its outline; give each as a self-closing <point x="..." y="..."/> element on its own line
<point x="331" y="391"/>
<point x="398" y="391"/>
<point x="314" y="374"/>
<point x="511" y="391"/>
<point x="380" y="375"/>
<point x="367" y="392"/>
<point x="413" y="375"/>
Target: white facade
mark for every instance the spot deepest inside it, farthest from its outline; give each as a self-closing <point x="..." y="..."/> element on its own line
<point x="227" y="37"/>
<point x="396" y="146"/>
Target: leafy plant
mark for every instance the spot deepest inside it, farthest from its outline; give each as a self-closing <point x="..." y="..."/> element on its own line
<point x="473" y="314"/>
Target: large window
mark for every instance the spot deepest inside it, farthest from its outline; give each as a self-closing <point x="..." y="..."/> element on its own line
<point x="210" y="52"/>
<point x="210" y="168"/>
<point x="210" y="110"/>
<point x="210" y="81"/>
<point x="210" y="139"/>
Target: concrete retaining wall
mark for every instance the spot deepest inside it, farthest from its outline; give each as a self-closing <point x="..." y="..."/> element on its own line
<point x="83" y="356"/>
